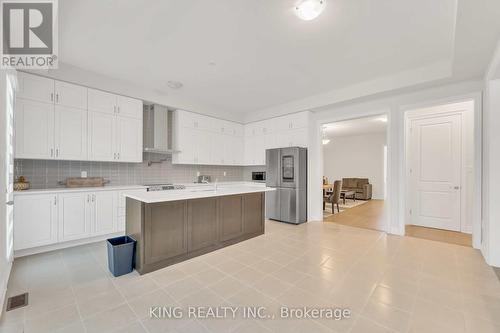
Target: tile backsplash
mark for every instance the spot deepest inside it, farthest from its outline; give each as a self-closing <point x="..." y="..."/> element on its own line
<point x="47" y="173"/>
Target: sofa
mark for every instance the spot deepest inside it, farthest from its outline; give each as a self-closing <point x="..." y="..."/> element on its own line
<point x="361" y="186"/>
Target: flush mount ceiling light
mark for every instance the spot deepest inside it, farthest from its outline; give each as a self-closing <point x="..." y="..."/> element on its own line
<point x="309" y="9"/>
<point x="174" y="84"/>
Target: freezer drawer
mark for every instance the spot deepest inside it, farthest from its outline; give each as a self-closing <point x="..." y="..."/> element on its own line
<point x="273" y="205"/>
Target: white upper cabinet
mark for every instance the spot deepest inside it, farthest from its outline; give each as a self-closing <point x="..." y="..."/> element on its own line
<point x="34" y="130"/>
<point x="129" y="107"/>
<point x="64" y="121"/>
<point x="102" y="133"/>
<point x="128" y="139"/>
<point x="70" y="133"/>
<point x="101" y="101"/>
<point x="70" y="95"/>
<point x="35" y="88"/>
<point x="285" y="131"/>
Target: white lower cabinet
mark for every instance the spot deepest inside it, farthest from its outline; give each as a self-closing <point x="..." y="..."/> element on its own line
<point x="74" y="216"/>
<point x="47" y="219"/>
<point x="35" y="220"/>
<point x="104" y="212"/>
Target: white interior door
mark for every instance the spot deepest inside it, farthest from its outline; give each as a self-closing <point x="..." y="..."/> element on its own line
<point x="435" y="171"/>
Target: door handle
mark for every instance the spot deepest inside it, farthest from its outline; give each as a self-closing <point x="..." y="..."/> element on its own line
<point x="10" y="203"/>
<point x="456" y="187"/>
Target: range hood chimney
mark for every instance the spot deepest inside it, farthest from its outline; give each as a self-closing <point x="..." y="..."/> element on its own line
<point x="156" y="134"/>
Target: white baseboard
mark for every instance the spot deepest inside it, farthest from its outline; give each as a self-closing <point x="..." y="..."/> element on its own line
<point x="58" y="246"/>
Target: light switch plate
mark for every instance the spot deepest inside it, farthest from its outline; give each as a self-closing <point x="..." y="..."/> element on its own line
<point x="83" y="174"/>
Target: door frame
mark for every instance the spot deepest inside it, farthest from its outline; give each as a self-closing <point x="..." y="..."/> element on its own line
<point x="389" y="180"/>
<point x="476" y="99"/>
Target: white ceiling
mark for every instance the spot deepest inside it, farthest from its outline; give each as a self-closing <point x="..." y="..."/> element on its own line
<point x="360" y="126"/>
<point x="264" y="55"/>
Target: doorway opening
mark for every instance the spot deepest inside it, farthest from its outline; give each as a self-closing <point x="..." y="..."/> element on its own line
<point x="355" y="172"/>
<point x="440" y="162"/>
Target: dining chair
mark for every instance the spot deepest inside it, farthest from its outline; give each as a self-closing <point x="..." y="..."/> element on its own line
<point x="334" y="198"/>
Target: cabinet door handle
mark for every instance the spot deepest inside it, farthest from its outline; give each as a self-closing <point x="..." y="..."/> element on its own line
<point x="57" y="152"/>
<point x="55" y="200"/>
<point x="118" y="156"/>
<point x="93" y="197"/>
<point x="51" y="152"/>
<point x="51" y="97"/>
<point x="57" y="98"/>
<point x="114" y="156"/>
<point x="88" y="198"/>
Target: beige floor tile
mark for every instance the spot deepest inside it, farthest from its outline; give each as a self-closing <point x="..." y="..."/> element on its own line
<point x="110" y="320"/>
<point x="445" y="317"/>
<point x="52" y="321"/>
<point x="227" y="287"/>
<point x="209" y="276"/>
<point x="101" y="302"/>
<point x="478" y="324"/>
<point x="272" y="286"/>
<point x="387" y="316"/>
<point x="182" y="288"/>
<point x="249" y="275"/>
<point x="167" y="275"/>
<point x="138" y="287"/>
<point x="136" y="327"/>
<point x="393" y="298"/>
<point x="142" y="305"/>
<point x="365" y="325"/>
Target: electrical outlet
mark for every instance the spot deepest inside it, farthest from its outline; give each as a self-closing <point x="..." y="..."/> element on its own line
<point x="84" y="174"/>
<point x="224" y="173"/>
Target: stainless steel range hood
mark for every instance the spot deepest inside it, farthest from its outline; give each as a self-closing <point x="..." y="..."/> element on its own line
<point x="157" y="136"/>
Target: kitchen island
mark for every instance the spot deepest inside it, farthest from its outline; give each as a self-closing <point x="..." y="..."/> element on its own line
<point x="172" y="226"/>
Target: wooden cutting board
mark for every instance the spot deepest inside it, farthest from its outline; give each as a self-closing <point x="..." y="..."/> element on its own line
<point x="85" y="182"/>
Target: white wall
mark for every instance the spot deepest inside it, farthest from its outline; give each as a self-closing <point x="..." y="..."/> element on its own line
<point x="359" y="156"/>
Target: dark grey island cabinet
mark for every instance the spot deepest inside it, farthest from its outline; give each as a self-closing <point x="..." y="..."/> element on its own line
<point x="173" y="231"/>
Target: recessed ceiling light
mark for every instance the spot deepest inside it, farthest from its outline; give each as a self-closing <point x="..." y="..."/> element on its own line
<point x="309" y="9"/>
<point x="174" y="84"/>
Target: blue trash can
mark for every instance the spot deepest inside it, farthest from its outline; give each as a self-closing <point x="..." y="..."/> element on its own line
<point x="121" y="255"/>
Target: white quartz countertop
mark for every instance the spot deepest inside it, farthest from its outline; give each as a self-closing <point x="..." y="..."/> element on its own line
<point x="196" y="193"/>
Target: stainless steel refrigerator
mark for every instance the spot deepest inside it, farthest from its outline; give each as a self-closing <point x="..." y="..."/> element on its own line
<point x="286" y="170"/>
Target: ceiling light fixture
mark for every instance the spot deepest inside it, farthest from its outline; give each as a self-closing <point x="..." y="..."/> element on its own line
<point x="174" y="84"/>
<point x="309" y="9"/>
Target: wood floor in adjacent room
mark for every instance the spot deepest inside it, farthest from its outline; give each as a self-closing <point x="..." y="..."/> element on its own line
<point x="439" y="235"/>
<point x="368" y="216"/>
<point x="371" y="216"/>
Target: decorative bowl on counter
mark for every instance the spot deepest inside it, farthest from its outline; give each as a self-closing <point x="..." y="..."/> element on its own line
<point x="21" y="186"/>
